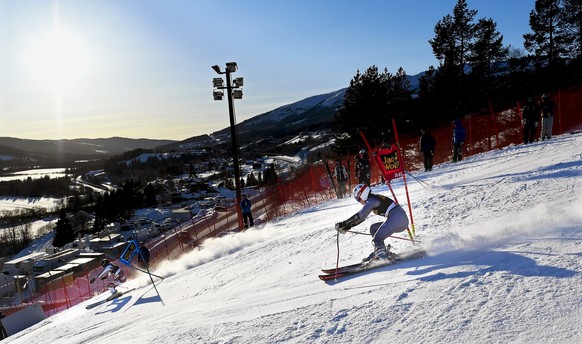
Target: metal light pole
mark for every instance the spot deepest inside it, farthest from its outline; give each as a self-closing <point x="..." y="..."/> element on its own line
<point x="232" y="92"/>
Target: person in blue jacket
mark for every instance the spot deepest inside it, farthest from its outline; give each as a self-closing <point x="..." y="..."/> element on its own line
<point x="245" y="206"/>
<point x="459" y="135"/>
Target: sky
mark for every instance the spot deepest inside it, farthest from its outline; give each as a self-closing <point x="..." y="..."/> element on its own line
<point x="503" y="232"/>
<point x="142" y="68"/>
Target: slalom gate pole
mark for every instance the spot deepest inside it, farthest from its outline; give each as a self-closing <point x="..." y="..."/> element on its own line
<point x="337" y="258"/>
<point x="390" y="236"/>
<point x="396" y="201"/>
<point x="349" y="176"/>
<point x="380" y="167"/>
<point x="150" y="274"/>
<point x="400" y="157"/>
<point x="331" y="178"/>
<point x="520" y="114"/>
<point x="494" y="124"/>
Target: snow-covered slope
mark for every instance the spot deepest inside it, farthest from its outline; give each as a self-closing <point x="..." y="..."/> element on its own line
<point x="504" y="236"/>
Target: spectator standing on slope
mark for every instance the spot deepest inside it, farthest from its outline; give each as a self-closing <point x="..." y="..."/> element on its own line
<point x="531" y="120"/>
<point x="341" y="174"/>
<point x="459" y="135"/>
<point x="427" y="145"/>
<point x="363" y="167"/>
<point x="547" y="107"/>
<point x="245" y="206"/>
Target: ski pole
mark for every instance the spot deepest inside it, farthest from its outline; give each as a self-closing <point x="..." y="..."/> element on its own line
<point x="421" y="182"/>
<point x="151" y="276"/>
<point x="144" y="271"/>
<point x="390" y="236"/>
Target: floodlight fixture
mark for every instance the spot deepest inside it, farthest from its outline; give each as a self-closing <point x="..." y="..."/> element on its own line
<point x="217" y="69"/>
<point x="218" y="94"/>
<point x="237" y="94"/>
<point x="231" y="67"/>
<point x="218" y="82"/>
<point x="238" y="82"/>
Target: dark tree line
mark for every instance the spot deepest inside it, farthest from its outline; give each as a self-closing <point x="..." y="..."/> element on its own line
<point x="120" y="204"/>
<point x="127" y="166"/>
<point x="14" y="239"/>
<point x="41" y="187"/>
<point x="475" y="70"/>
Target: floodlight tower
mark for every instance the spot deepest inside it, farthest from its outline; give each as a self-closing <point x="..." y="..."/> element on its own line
<point x="233" y="91"/>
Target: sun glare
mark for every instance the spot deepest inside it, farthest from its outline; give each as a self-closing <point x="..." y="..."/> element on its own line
<point x="58" y="59"/>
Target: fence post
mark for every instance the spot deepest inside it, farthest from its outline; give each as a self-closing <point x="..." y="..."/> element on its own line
<point x="560" y="111"/>
<point x="494" y="119"/>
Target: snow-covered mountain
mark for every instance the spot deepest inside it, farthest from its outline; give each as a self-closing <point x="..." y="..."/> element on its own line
<point x="78" y="147"/>
<point x="503" y="231"/>
<point x="309" y="114"/>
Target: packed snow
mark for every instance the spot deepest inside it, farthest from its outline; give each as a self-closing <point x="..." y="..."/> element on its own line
<point x="503" y="231"/>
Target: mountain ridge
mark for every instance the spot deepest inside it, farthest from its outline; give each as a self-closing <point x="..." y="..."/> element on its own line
<point x="313" y="113"/>
<point x="81" y="147"/>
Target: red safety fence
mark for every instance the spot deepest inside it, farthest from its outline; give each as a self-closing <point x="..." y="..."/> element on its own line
<point x="494" y="129"/>
<point x="298" y="189"/>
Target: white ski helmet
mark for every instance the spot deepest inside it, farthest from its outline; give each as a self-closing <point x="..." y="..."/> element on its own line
<point x="361" y="192"/>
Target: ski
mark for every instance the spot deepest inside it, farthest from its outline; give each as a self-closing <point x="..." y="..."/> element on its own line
<point x="109" y="298"/>
<point x="391" y="259"/>
<point x="330" y="274"/>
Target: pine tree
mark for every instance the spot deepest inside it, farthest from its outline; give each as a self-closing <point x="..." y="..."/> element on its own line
<point x="453" y="35"/>
<point x="452" y="46"/>
<point x="572" y="17"/>
<point x="64" y="233"/>
<point x="251" y="180"/>
<point x="547" y="39"/>
<point x="370" y="103"/>
<point x="270" y="176"/>
<point x="486" y="58"/>
<point x="486" y="49"/>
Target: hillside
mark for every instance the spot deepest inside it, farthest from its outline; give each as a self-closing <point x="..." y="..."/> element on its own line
<point x="78" y="147"/>
<point x="503" y="231"/>
<point x="309" y="114"/>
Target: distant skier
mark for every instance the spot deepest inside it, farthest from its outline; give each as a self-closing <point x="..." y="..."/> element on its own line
<point x="110" y="269"/>
<point x="396" y="219"/>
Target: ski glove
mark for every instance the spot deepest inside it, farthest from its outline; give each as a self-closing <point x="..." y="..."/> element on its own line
<point x="341" y="227"/>
<point x="92" y="280"/>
